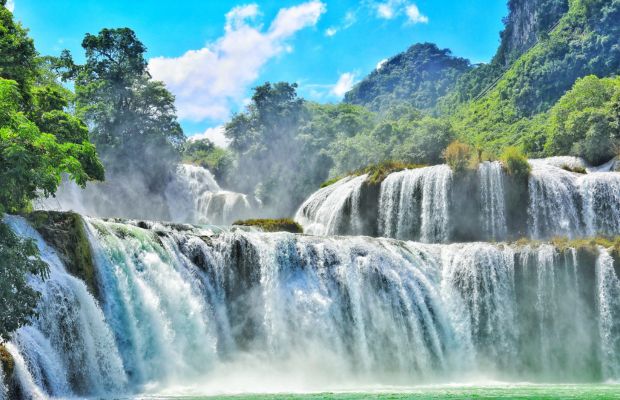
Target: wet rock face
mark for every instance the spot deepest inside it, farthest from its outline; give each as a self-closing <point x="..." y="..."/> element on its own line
<point x="65" y="232"/>
<point x="527" y="20"/>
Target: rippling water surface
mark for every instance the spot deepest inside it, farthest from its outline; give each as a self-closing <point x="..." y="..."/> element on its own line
<point x="523" y="391"/>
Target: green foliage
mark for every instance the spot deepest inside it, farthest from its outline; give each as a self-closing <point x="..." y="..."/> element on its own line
<point x="269" y="150"/>
<point x="39" y="142"/>
<point x="32" y="161"/>
<point x="581" y="123"/>
<point x="413" y="139"/>
<point x="515" y="163"/>
<point x="459" y="156"/>
<point x="584" y="42"/>
<point x="133" y="120"/>
<point x="378" y="172"/>
<point x="205" y="154"/>
<point x="331" y="181"/>
<point x="527" y="21"/>
<point x="17" y="54"/>
<point x="418" y="76"/>
<point x="18" y="259"/>
<point x="575" y="169"/>
<point x="272" y="225"/>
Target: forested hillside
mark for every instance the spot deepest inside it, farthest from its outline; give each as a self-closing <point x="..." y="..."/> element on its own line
<point x="549" y="90"/>
<point x="416" y="77"/>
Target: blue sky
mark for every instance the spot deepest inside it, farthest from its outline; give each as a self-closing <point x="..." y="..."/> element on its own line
<point x="211" y="53"/>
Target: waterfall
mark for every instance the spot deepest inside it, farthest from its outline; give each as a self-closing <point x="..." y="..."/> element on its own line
<point x="182" y="306"/>
<point x="191" y="195"/>
<point x="4" y="390"/>
<point x="601" y="200"/>
<point x="333" y="209"/>
<point x="492" y="202"/>
<point x="554" y="202"/>
<point x="564" y="203"/>
<point x="69" y="343"/>
<point x="414" y="204"/>
<point x="609" y="309"/>
<point x="195" y="197"/>
<point x="153" y="301"/>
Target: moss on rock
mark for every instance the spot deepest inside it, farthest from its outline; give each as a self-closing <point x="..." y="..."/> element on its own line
<point x="376" y="172"/>
<point x="8" y="364"/>
<point x="65" y="231"/>
<point x="272" y="225"/>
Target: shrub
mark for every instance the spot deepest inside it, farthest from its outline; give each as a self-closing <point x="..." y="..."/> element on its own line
<point x="576" y="169"/>
<point x="459" y="156"/>
<point x="330" y="182"/>
<point x="272" y="225"/>
<point x="378" y="172"/>
<point x="515" y="162"/>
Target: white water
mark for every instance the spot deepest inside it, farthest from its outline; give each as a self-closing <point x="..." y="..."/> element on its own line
<point x="421" y="204"/>
<point x="609" y="310"/>
<point x="492" y="201"/>
<point x="69" y="347"/>
<point x="326" y="211"/>
<point x="564" y="203"/>
<point x="255" y="312"/>
<point x="415" y="204"/>
<point x="195" y="197"/>
<point x="191" y="196"/>
<point x="4" y="390"/>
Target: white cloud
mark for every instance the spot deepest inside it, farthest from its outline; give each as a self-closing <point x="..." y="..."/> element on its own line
<point x="344" y="84"/>
<point x="209" y="82"/>
<point x="393" y="8"/>
<point x="236" y="17"/>
<point x="349" y="19"/>
<point x="414" y="15"/>
<point x="385" y="10"/>
<point x="10" y="5"/>
<point x="331" y="31"/>
<point x="215" y="134"/>
<point x="381" y="63"/>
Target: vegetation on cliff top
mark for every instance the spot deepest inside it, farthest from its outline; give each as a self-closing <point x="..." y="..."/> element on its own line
<point x="272" y="225"/>
<point x="418" y="77"/>
<point x="39" y="142"/>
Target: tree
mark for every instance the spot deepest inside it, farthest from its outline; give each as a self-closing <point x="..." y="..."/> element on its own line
<point x="18" y="55"/>
<point x="204" y="153"/>
<point x="33" y="162"/>
<point x="417" y="77"/>
<point x="582" y="122"/>
<point x="39" y="143"/>
<point x="265" y="140"/>
<point x="133" y="118"/>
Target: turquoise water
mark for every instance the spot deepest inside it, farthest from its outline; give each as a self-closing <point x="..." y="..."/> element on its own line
<point x="610" y="391"/>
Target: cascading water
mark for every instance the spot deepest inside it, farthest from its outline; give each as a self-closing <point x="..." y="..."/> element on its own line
<point x="333" y="209"/>
<point x="564" y="203"/>
<point x="190" y="196"/>
<point x="609" y="310"/>
<point x="414" y="204"/>
<point x="431" y="205"/>
<point x="195" y="192"/>
<point x="69" y="348"/>
<point x="250" y="311"/>
<point x="4" y="390"/>
<point x="154" y="303"/>
<point x="492" y="202"/>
